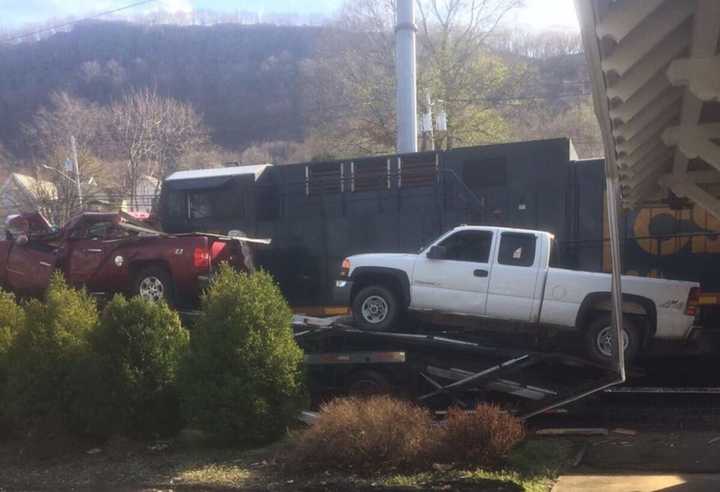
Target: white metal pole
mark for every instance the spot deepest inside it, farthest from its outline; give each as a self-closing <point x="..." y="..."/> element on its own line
<point x="406" y="77"/>
<point x="76" y="170"/>
<point x="616" y="261"/>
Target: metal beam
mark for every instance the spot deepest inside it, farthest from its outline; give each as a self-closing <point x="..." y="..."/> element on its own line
<point x="644" y="71"/>
<point x="587" y="17"/>
<point x="624" y="16"/>
<point x="684" y="188"/>
<point x="648" y="115"/>
<point x="643" y="39"/>
<point x="706" y="29"/>
<point x="695" y="141"/>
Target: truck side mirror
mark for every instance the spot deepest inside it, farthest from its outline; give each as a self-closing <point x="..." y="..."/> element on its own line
<point x="21" y="239"/>
<point x="437" y="253"/>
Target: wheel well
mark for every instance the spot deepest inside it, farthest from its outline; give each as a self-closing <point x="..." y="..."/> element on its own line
<point x="388" y="280"/>
<point x="634" y="306"/>
<point x="138" y="266"/>
<point x="379" y="375"/>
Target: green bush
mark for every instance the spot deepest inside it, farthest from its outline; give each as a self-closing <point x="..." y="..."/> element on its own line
<point x="12" y="318"/>
<point x="128" y="385"/>
<point x="45" y="351"/>
<point x="242" y="380"/>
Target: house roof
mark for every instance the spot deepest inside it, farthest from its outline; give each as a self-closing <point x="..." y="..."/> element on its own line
<point x="655" y="70"/>
<point x="219" y="172"/>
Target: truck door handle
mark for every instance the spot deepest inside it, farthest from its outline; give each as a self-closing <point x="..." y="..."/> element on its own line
<point x="480" y="273"/>
<point x="94" y="250"/>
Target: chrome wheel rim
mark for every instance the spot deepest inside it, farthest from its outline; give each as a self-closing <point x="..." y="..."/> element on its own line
<point x="152" y="289"/>
<point x="374" y="309"/>
<point x="604" y="341"/>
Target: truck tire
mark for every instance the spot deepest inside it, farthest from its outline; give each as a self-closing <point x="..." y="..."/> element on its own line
<point x="375" y="308"/>
<point x="154" y="284"/>
<point x="367" y="383"/>
<point x="599" y="342"/>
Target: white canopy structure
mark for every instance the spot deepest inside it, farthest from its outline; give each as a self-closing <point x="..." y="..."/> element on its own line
<point x="655" y="70"/>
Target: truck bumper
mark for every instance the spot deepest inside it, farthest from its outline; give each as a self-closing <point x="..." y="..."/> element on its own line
<point x="341" y="292"/>
<point x="203" y="282"/>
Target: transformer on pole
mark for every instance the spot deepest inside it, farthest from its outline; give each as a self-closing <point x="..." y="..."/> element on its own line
<point x="406" y="77"/>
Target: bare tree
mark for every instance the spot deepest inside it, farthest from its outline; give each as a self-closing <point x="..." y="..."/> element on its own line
<point x="151" y="133"/>
<point x="66" y="115"/>
<point x="352" y="83"/>
<point x="5" y="159"/>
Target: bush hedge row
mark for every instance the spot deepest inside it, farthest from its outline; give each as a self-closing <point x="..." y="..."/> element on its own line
<point x="133" y="369"/>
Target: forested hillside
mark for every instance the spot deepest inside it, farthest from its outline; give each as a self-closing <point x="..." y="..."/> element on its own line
<point x="289" y="93"/>
<point x="244" y="79"/>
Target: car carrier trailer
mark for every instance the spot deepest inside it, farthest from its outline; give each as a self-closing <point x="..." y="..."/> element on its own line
<point x="442" y="369"/>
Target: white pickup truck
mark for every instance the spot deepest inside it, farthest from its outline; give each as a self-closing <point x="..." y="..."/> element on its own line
<point x="504" y="275"/>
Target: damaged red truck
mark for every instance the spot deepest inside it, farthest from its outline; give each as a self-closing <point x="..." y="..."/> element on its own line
<point x="111" y="253"/>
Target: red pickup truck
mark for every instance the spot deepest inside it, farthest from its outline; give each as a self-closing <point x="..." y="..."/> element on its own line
<point x="112" y="252"/>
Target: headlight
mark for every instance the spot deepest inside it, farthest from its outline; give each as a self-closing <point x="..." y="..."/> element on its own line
<point x="345" y="268"/>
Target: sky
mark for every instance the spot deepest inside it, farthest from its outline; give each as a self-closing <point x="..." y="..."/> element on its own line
<point x="537" y="14"/>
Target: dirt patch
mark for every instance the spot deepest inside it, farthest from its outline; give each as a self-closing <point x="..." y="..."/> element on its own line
<point x="679" y="452"/>
<point x="124" y="465"/>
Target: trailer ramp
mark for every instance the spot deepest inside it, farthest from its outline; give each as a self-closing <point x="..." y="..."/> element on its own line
<point x="445" y="369"/>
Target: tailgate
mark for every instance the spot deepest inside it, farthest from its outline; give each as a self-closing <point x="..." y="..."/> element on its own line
<point x="236" y="253"/>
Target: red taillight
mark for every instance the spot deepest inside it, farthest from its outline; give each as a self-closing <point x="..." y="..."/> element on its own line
<point x="691" y="308"/>
<point x="201" y="258"/>
<point x="216" y="249"/>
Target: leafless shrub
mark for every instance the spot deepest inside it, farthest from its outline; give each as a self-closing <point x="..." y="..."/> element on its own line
<point x="480" y="437"/>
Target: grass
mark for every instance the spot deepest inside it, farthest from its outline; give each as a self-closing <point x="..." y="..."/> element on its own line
<point x="531" y="467"/>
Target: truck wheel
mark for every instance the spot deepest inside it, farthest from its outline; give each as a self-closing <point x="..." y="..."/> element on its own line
<point x="599" y="339"/>
<point x="367" y="383"/>
<point x="154" y="284"/>
<point x="375" y="308"/>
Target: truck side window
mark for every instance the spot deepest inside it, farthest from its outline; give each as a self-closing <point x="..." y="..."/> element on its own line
<point x="517" y="249"/>
<point x="468" y="246"/>
<point x="105" y="230"/>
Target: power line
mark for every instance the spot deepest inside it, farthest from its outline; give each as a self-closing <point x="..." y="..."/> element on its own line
<point x="70" y="23"/>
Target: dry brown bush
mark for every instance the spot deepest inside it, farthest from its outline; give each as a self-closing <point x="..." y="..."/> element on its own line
<point x="377" y="433"/>
<point x="381" y="433"/>
<point x="479" y="437"/>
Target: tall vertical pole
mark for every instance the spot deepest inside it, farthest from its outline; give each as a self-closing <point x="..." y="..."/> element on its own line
<point x="615" y="260"/>
<point x="406" y="77"/>
<point x="76" y="170"/>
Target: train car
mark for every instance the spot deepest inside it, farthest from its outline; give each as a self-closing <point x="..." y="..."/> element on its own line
<point x="317" y="213"/>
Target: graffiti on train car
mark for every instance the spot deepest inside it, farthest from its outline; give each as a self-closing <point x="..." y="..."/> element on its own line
<point x="663" y="231"/>
<point x="670" y="243"/>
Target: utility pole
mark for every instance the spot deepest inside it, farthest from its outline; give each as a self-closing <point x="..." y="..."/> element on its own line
<point x="406" y="77"/>
<point x="426" y="124"/>
<point x="76" y="170"/>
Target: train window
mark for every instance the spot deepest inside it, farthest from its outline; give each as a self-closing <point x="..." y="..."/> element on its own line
<point x="216" y="203"/>
<point x="485" y="172"/>
<point x="175" y="204"/>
